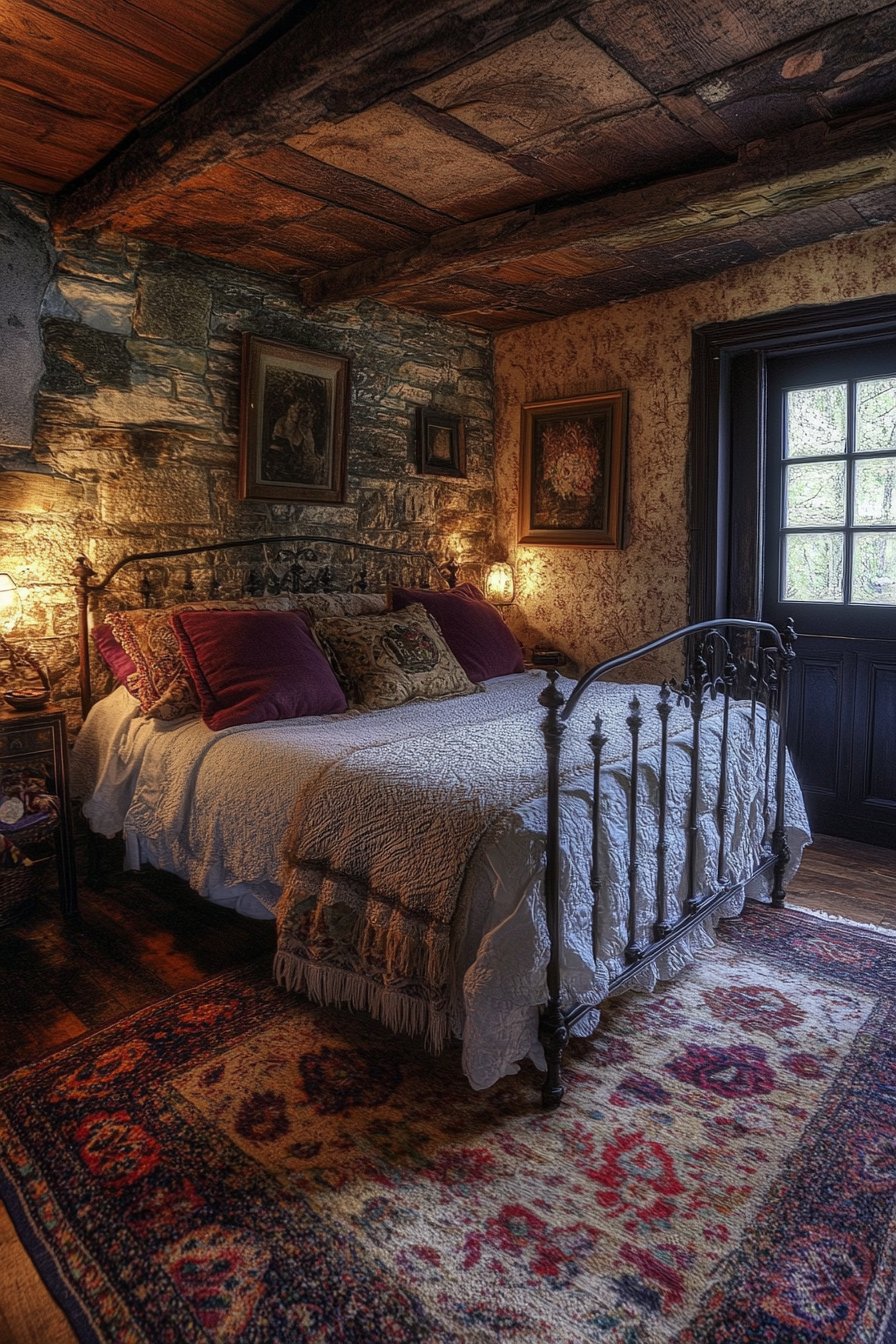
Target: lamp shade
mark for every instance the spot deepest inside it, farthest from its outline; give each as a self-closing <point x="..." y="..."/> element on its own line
<point x="8" y="590"/>
<point x="499" y="584"/>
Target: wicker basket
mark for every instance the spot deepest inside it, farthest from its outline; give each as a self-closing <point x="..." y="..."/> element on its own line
<point x="19" y="883"/>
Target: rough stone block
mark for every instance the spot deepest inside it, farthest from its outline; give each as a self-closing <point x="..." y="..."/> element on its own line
<point x="36" y="492"/>
<point x="173" y="307"/>
<point x="168" y="356"/>
<point x="27" y="258"/>
<point x="99" y="305"/>
<point x="79" y="356"/>
<point x="167" y="495"/>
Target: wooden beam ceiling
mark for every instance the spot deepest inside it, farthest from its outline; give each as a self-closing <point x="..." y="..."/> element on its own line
<point x="502" y="161"/>
<point x="633" y="230"/>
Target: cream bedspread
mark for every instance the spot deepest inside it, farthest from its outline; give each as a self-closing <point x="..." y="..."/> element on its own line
<point x="214" y="809"/>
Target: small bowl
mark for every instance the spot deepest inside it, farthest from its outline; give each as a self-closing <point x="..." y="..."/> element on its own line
<point x="26" y="699"/>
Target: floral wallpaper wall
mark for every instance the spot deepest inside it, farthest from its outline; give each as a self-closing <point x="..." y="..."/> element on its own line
<point x="596" y="603"/>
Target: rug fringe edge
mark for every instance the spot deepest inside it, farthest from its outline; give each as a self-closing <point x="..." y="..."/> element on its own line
<point x="841" y="919"/>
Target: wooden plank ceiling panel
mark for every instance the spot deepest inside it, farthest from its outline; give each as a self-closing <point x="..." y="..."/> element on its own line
<point x="220" y="22"/>
<point x="551" y="79"/>
<point x="649" y="141"/>
<point x="670" y="43"/>
<point x="76" y="92"/>
<point x="391" y="146"/>
<point x="82" y="76"/>
<point x="44" y="158"/>
<point x="171" y="45"/>
<point x="86" y="51"/>
<point x="326" y="183"/>
<point x="853" y="60"/>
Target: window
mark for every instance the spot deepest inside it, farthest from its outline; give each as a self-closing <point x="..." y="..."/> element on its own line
<point x="838" y="493"/>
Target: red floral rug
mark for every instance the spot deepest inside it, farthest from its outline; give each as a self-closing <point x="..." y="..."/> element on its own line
<point x="234" y="1164"/>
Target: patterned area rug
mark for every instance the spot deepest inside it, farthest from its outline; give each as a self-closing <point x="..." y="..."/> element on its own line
<point x="234" y="1164"/>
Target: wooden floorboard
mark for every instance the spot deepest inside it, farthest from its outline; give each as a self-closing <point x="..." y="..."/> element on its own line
<point x="148" y="936"/>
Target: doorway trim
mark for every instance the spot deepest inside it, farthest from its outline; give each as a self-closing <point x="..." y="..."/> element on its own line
<point x="726" y="461"/>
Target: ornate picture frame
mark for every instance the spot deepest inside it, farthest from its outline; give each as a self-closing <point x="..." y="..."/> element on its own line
<point x="293" y="422"/>
<point x="441" y="444"/>
<point x="572" y="471"/>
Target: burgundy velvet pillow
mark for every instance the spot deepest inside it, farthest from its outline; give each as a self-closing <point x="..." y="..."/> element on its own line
<point x="254" y="666"/>
<point x="119" y="663"/>
<point x="473" y="630"/>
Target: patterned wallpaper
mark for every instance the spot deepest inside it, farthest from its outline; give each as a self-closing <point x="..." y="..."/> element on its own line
<point x="596" y="603"/>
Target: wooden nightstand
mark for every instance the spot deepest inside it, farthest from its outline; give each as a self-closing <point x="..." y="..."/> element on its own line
<point x="40" y="735"/>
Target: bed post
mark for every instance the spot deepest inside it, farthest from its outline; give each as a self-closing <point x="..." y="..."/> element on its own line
<point x="552" y="1029"/>
<point x="83" y="573"/>
<point x="779" y="835"/>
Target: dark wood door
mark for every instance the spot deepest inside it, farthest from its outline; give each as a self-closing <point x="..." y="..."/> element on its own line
<point x="830" y="565"/>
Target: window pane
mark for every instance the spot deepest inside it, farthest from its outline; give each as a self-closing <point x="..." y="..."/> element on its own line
<point x="875" y="496"/>
<point x="816" y="421"/>
<point x="874" y="568"/>
<point x="813" y="567"/>
<point x="815" y="493"/>
<point x="876" y="415"/>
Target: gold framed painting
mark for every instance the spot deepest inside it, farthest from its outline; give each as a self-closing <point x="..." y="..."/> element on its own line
<point x="293" y="423"/>
<point x="572" y="471"/>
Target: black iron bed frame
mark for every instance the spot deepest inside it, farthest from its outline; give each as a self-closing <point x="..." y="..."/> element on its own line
<point x="751" y="662"/>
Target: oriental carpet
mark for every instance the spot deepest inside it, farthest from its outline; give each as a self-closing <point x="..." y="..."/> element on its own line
<point x="234" y="1164"/>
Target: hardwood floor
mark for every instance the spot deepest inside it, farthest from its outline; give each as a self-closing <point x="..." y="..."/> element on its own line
<point x="147" y="936"/>
<point x="144" y="937"/>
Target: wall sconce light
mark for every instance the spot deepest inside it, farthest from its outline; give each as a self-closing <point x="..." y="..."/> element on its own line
<point x="499" y="584"/>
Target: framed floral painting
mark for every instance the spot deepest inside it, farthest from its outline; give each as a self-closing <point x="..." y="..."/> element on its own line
<point x="572" y="471"/>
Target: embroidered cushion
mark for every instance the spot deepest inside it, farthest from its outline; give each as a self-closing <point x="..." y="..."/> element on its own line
<point x="389" y="659"/>
<point x="255" y="666"/>
<point x="340" y="604"/>
<point x="112" y="654"/>
<point x="160" y="680"/>
<point x="473" y="629"/>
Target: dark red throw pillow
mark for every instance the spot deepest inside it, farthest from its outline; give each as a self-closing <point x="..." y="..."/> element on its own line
<point x="255" y="666"/>
<point x="473" y="630"/>
<point x="119" y="663"/>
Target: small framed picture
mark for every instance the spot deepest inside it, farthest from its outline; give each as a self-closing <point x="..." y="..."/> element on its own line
<point x="572" y="471"/>
<point x="293" y="423"/>
<point x="441" y="450"/>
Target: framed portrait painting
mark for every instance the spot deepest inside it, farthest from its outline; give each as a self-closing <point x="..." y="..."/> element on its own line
<point x="293" y="423"/>
<point x="572" y="471"/>
<point x="441" y="448"/>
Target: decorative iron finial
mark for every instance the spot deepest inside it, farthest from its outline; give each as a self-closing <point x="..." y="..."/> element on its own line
<point x="83" y="570"/>
<point x="551" y="697"/>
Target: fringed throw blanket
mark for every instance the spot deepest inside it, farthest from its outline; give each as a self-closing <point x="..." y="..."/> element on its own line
<point x="375" y="856"/>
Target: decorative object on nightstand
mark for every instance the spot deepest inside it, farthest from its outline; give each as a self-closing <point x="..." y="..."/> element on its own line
<point x="541" y="659"/>
<point x="33" y="747"/>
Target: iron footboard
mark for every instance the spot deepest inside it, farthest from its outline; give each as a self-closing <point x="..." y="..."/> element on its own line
<point x="728" y="660"/>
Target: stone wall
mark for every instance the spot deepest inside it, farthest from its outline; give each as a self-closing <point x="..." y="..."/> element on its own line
<point x="136" y="419"/>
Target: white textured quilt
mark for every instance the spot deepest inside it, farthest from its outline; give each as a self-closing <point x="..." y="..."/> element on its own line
<point x="214" y="808"/>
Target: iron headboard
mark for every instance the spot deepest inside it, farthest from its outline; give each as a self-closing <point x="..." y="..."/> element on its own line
<point x="297" y="578"/>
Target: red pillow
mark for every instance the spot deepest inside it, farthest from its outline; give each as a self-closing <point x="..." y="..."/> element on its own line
<point x="255" y="666"/>
<point x="473" y="630"/>
<point x="119" y="663"/>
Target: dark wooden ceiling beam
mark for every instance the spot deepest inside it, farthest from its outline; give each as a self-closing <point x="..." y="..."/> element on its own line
<point x="814" y="164"/>
<point x="337" y="60"/>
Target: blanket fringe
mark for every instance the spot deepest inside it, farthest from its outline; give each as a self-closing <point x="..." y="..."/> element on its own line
<point x="333" y="985"/>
